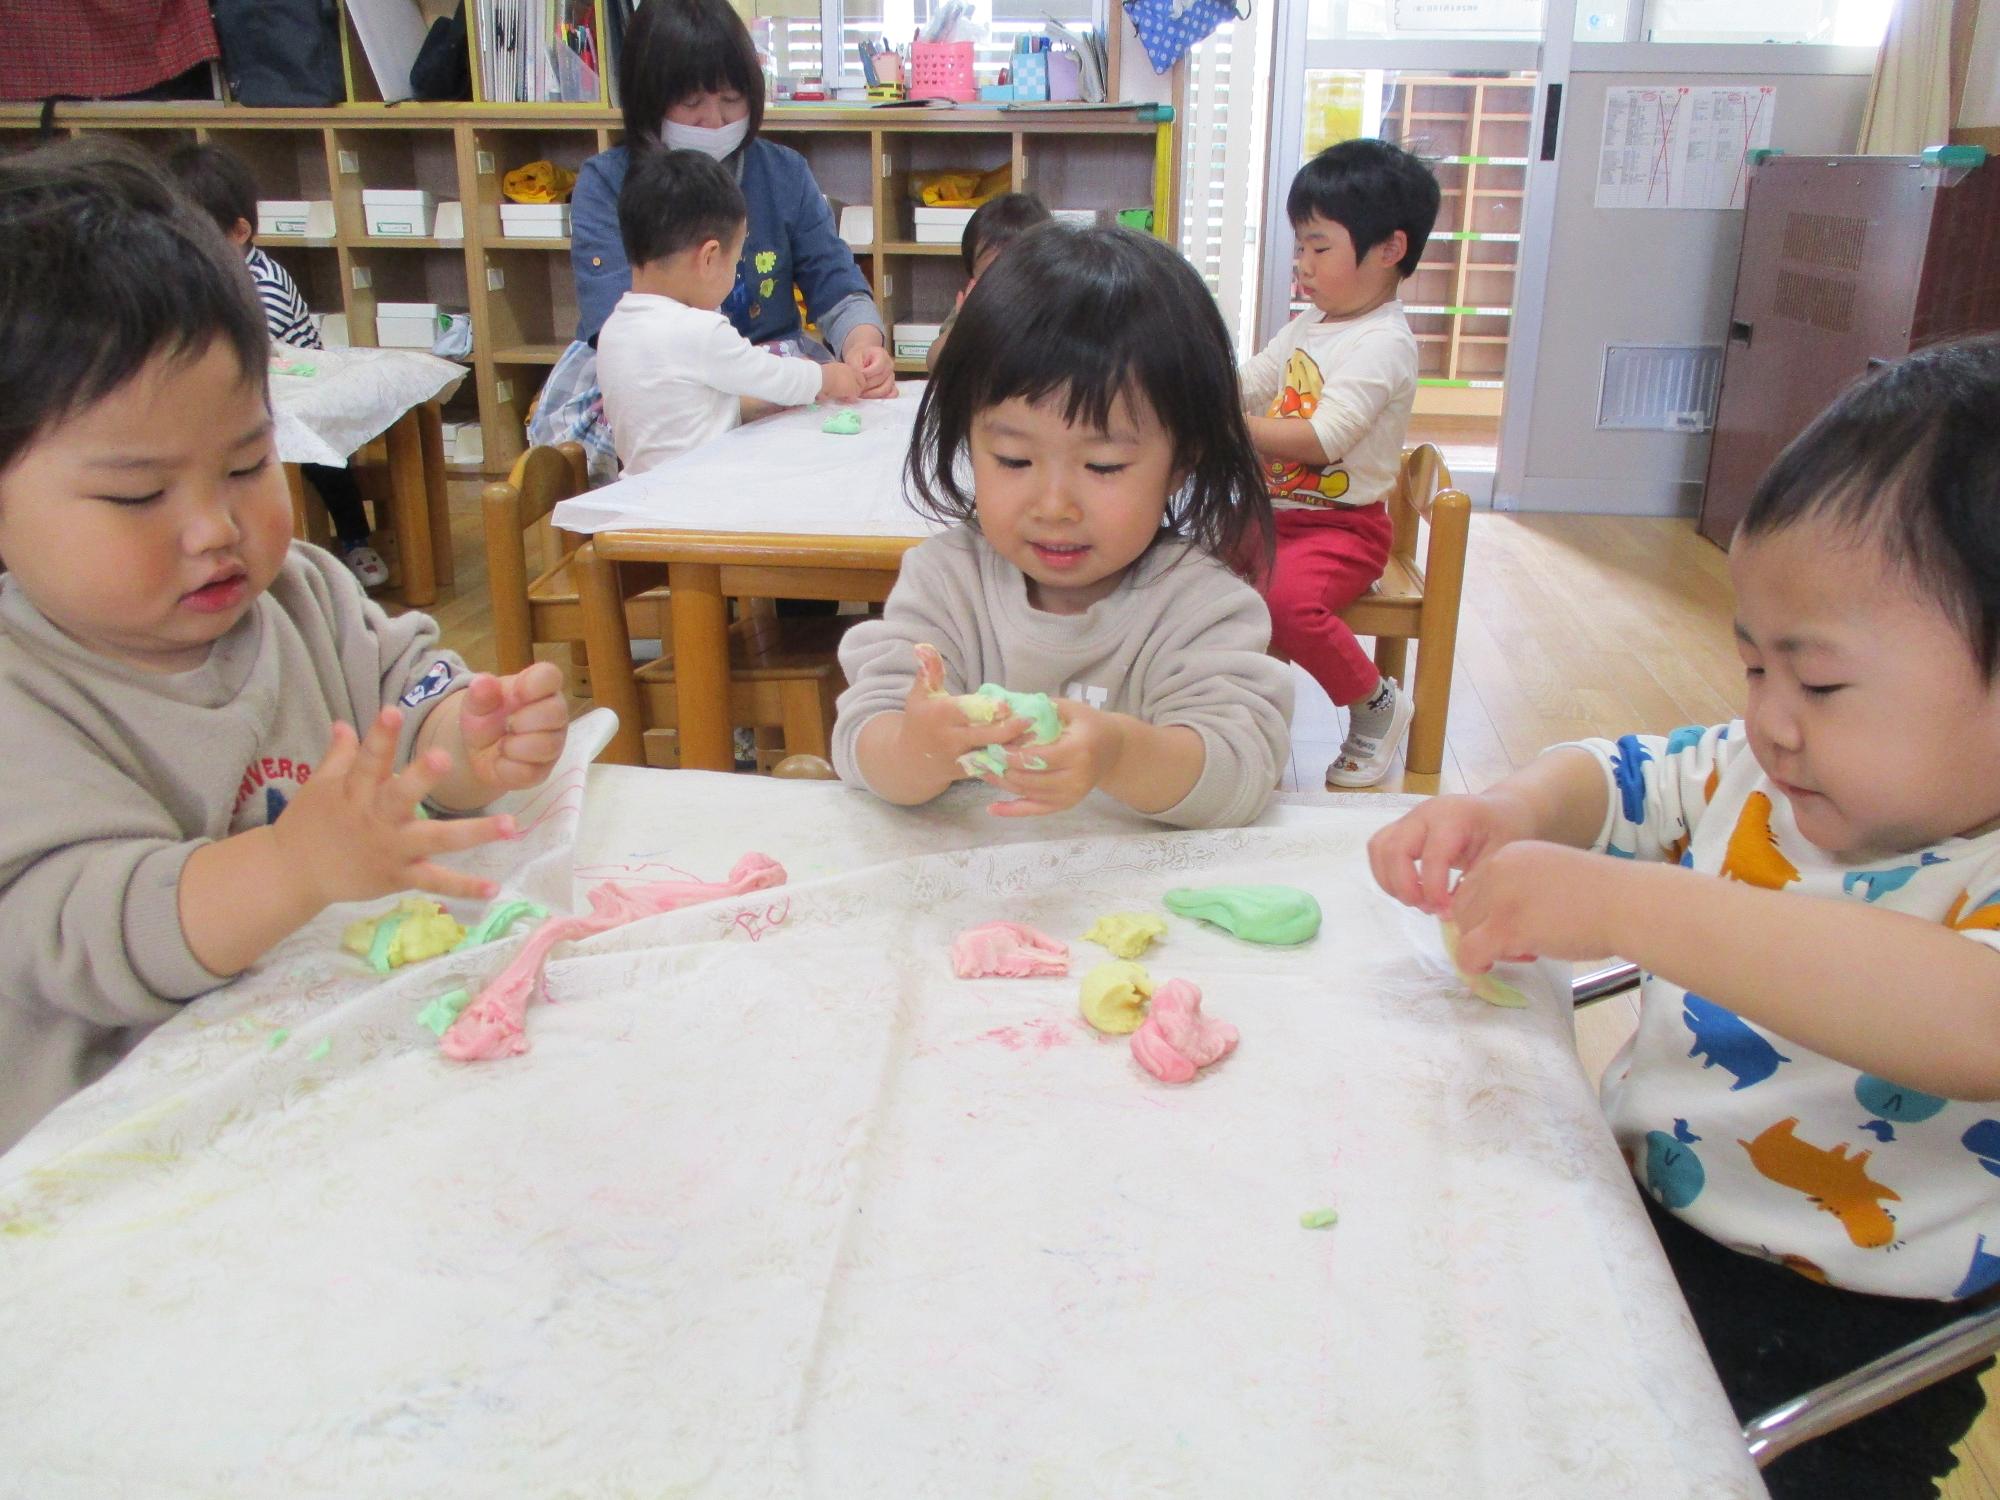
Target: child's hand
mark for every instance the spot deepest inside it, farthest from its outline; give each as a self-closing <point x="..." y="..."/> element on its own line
<point x="1414" y="856"/>
<point x="839" y="382"/>
<point x="1072" y="765"/>
<point x="513" y="727"/>
<point x="1535" y="900"/>
<point x="935" y="729"/>
<point x="353" y="834"/>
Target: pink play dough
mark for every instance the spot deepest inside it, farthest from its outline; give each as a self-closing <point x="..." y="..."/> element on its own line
<point x="492" y="1025"/>
<point x="1007" y="950"/>
<point x="1177" y="1040"/>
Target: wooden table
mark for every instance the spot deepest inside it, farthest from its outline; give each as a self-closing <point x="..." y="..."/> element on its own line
<point x="419" y="504"/>
<point x="705" y="569"/>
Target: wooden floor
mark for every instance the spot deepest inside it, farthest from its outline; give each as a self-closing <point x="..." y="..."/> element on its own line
<point x="1573" y="626"/>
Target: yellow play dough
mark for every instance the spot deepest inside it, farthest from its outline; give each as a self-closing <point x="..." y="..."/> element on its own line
<point x="1114" y="997"/>
<point x="424" y="931"/>
<point x="1488" y="987"/>
<point x="1126" y="933"/>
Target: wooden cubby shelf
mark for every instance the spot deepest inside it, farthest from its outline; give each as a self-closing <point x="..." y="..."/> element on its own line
<point x="1074" y="159"/>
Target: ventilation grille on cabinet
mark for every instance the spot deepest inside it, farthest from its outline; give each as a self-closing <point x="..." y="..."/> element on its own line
<point x="1836" y="241"/>
<point x="1818" y="300"/>
<point x="1659" y="387"/>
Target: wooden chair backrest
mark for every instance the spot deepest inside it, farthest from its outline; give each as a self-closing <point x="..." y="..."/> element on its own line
<point x="544" y="477"/>
<point x="1422" y="476"/>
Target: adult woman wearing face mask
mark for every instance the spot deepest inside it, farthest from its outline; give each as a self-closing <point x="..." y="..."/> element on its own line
<point x="689" y="80"/>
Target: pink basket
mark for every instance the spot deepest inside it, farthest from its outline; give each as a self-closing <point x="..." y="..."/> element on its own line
<point x="942" y="70"/>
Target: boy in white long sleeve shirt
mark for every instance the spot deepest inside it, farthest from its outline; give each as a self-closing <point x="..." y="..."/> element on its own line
<point x="674" y="372"/>
<point x="1334" y="390"/>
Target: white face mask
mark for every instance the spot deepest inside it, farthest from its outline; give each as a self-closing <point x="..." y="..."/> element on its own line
<point x="716" y="143"/>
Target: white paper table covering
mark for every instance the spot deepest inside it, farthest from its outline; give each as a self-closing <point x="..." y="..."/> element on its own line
<point x="351" y="397"/>
<point x="779" y="475"/>
<point x="776" y="1206"/>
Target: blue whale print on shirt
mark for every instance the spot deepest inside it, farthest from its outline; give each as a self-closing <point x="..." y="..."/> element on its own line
<point x="1875" y="884"/>
<point x="1729" y="1041"/>
<point x="1685" y="738"/>
<point x="1674" y="1174"/>
<point x="1892" y="1102"/>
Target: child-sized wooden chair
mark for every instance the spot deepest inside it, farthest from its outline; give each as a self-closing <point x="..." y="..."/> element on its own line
<point x="1419" y="601"/>
<point x="784" y="674"/>
<point x="545" y="607"/>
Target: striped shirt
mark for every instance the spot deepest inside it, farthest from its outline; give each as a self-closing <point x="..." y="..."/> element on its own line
<point x="285" y="313"/>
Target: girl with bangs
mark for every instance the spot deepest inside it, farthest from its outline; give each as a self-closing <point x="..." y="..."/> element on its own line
<point x="1084" y="438"/>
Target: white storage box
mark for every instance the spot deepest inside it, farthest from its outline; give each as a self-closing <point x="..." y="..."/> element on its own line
<point x="534" y="221"/>
<point x="857" y="224"/>
<point x="450" y="221"/>
<point x="1085" y="217"/>
<point x="406" y="325"/>
<point x="399" y="213"/>
<point x="464" y="444"/>
<point x="332" y="329"/>
<point x="306" y="217"/>
<point x="914" y="340"/>
<point x="942" y="226"/>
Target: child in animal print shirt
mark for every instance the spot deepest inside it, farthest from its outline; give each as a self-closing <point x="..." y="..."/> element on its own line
<point x="1809" y="1101"/>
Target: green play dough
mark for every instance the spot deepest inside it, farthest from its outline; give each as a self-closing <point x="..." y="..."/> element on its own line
<point x="1277" y="915"/>
<point x="500" y="918"/>
<point x="842" y="423"/>
<point x="1318" y="1218"/>
<point x="441" y="1012"/>
<point x="993" y="702"/>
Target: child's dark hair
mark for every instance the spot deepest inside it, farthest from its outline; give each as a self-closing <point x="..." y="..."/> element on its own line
<point x="1371" y="189"/>
<point x="1909" y="459"/>
<point x="674" y="200"/>
<point x="103" y="266"/>
<point x="1087" y="316"/>
<point x="675" y="49"/>
<point x="997" y="223"/>
<point x="219" y="183"/>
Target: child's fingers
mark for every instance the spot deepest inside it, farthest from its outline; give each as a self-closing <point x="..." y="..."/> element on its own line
<point x="536" y="750"/>
<point x="542" y="716"/>
<point x="1392" y="855"/>
<point x="436" y="880"/>
<point x="341" y="747"/>
<point x="542" y="681"/>
<point x="1021" y="807"/>
<point x="377" y="756"/>
<point x="451" y="835"/>
<point x="1440" y="856"/>
<point x="412" y="784"/>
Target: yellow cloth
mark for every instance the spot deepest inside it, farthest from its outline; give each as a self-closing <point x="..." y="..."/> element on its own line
<point x="538" y="182"/>
<point x="961" y="189"/>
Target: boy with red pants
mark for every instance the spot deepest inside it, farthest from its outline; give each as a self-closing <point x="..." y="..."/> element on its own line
<point x="1334" y="389"/>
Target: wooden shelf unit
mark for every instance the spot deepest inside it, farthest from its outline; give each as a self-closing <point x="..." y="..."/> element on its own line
<point x="1078" y="159"/>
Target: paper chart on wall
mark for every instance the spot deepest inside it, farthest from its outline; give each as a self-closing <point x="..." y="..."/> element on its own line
<point x="1678" y="146"/>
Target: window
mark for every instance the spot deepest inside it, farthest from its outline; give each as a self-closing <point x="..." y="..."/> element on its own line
<point x="1222" y="153"/>
<point x="897" y="21"/>
<point x="1836" y="23"/>
<point x="1397" y="20"/>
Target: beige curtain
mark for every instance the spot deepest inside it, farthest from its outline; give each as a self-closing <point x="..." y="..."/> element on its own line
<point x="1909" y="103"/>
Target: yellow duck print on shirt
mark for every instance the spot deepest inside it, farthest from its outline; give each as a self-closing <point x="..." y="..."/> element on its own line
<point x="1300" y="399"/>
<point x="1837" y="1182"/>
<point x="1753" y="856"/>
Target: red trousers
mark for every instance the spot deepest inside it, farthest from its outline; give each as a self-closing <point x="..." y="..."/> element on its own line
<point x="1326" y="560"/>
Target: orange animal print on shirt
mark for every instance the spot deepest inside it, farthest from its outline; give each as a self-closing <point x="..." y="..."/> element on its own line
<point x="1753" y="855"/>
<point x="1300" y="399"/>
<point x="1982" y="918"/>
<point x="1837" y="1182"/>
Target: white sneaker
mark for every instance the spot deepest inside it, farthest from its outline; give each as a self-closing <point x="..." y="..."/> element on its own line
<point x="1364" y="761"/>
<point x="366" y="564"/>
